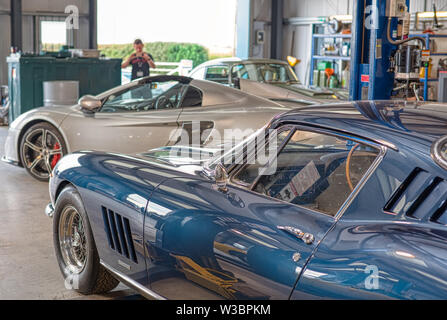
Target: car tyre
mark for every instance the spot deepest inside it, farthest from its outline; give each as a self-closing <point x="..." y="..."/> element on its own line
<point x="41" y="147"/>
<point x="75" y="247"/>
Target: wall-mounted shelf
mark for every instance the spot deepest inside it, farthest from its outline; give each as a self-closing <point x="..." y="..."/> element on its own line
<point x="315" y="56"/>
<point x="428" y="37"/>
<point x="331" y="58"/>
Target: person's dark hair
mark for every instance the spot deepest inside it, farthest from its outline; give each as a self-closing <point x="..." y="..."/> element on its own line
<point x="138" y="41"/>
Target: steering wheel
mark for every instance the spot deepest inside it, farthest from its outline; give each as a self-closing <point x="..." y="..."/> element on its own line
<point x="163" y="100"/>
<point x="348" y="167"/>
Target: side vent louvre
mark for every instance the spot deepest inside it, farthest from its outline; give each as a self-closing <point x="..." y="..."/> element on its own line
<point x="421" y="195"/>
<point x="440" y="216"/>
<point x="392" y="203"/>
<point x="119" y="235"/>
<point x="411" y="212"/>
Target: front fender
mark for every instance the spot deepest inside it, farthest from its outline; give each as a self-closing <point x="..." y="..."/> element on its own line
<point x="17" y="128"/>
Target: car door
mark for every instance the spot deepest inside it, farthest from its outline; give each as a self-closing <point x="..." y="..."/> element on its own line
<point x="253" y="239"/>
<point x="135" y="119"/>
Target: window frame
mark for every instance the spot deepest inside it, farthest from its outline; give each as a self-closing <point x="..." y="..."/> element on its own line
<point x="236" y="169"/>
<point x="189" y="86"/>
<point x="132" y="87"/>
<point x="38" y="43"/>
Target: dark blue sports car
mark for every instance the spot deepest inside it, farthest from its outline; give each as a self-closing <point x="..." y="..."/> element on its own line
<point x="354" y="206"/>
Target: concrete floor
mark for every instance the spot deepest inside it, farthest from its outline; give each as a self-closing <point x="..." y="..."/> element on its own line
<point x="28" y="267"/>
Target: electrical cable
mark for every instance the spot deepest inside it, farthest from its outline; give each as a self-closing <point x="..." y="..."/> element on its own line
<point x="399" y="42"/>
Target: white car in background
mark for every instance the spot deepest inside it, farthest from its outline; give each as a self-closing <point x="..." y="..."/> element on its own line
<point x="267" y="78"/>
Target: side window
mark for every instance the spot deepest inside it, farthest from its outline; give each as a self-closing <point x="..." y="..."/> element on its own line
<point x="315" y="170"/>
<point x="193" y="98"/>
<point x="217" y="74"/>
<point x="145" y="97"/>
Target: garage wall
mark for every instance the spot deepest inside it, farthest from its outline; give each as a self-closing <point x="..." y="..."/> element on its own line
<point x="300" y="36"/>
<point x="54" y="6"/>
<point x="426" y="5"/>
<point x="38" y="8"/>
<point x="316" y="8"/>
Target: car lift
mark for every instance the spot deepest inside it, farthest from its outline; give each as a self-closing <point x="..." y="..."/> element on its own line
<point x="385" y="60"/>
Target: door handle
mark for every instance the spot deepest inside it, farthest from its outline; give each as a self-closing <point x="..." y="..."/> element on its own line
<point x="307" y="238"/>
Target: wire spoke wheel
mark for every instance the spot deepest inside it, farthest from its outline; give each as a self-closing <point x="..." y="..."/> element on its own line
<point x="41" y="151"/>
<point x="72" y="240"/>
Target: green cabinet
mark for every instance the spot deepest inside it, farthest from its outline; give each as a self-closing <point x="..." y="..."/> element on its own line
<point x="26" y="74"/>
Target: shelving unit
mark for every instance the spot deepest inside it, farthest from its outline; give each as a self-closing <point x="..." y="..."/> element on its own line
<point x="427" y="38"/>
<point x="315" y="56"/>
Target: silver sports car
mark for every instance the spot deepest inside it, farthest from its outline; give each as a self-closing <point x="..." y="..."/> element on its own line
<point x="148" y="113"/>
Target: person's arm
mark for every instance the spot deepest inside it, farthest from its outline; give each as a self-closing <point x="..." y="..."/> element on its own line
<point x="150" y="60"/>
<point x="127" y="62"/>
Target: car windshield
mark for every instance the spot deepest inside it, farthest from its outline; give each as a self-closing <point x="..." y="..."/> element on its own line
<point x="261" y="140"/>
<point x="265" y="72"/>
<point x="145" y="97"/>
<point x="181" y="154"/>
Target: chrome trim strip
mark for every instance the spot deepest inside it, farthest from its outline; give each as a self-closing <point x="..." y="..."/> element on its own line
<point x="361" y="184"/>
<point x="6" y="160"/>
<point x="145" y="292"/>
<point x="436" y="154"/>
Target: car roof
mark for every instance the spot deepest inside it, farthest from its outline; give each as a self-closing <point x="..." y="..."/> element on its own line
<point x="233" y="60"/>
<point x="393" y="123"/>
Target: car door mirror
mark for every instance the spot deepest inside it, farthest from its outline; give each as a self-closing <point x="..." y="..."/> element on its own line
<point x="90" y="104"/>
<point x="221" y="177"/>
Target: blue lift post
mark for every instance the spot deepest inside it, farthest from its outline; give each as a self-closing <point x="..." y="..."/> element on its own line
<point x="371" y="51"/>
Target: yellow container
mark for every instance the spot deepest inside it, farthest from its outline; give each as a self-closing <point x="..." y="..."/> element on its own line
<point x="422" y="72"/>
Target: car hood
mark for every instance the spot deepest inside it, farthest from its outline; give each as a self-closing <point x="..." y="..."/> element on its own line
<point x="186" y="160"/>
<point x="327" y="94"/>
<point x="281" y="92"/>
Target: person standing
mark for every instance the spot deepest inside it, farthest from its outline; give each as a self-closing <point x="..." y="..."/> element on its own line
<point x="141" y="61"/>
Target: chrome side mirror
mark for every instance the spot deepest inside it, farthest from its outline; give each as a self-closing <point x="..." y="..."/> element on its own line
<point x="90" y="104"/>
<point x="221" y="177"/>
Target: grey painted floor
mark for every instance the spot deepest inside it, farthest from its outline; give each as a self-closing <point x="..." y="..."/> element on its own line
<point x="28" y="267"/>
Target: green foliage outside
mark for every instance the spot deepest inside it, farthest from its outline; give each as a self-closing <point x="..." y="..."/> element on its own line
<point x="161" y="51"/>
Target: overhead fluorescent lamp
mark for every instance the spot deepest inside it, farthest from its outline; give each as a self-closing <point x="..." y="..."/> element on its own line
<point x="428" y="14"/>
